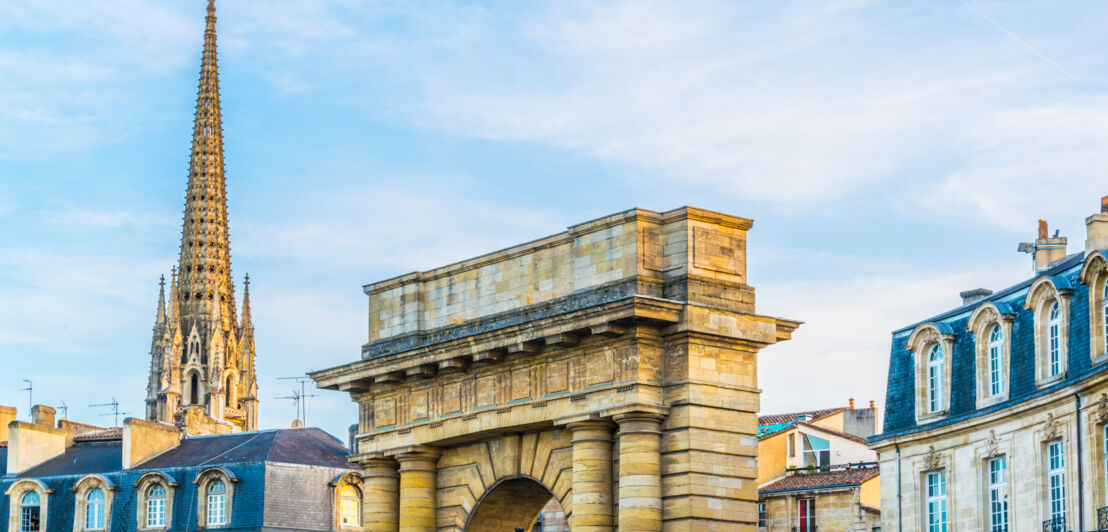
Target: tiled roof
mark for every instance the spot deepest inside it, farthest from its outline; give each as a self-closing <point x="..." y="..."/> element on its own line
<point x="821" y="481"/>
<point x="812" y="415"/>
<point x="3" y="444"/>
<point x="114" y="433"/>
<point x="81" y="459"/>
<point x="307" y="446"/>
<point x="833" y="432"/>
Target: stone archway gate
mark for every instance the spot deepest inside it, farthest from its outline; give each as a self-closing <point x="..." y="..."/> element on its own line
<point x="615" y="364"/>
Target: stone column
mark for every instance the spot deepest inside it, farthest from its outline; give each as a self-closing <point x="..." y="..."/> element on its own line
<point x="417" y="489"/>
<point x="592" y="476"/>
<point x="640" y="472"/>
<point x="381" y="498"/>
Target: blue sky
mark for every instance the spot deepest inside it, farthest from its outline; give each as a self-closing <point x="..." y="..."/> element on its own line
<point x="891" y="154"/>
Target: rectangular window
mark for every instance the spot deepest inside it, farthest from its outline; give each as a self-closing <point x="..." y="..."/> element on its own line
<point x="936" y="501"/>
<point x="1056" y="482"/>
<point x="29" y="519"/>
<point x="761" y="515"/>
<point x="998" y="494"/>
<point x="817" y="451"/>
<point x="806" y="515"/>
<point x="155" y="513"/>
<point x="789" y="443"/>
<point x="217" y="510"/>
<point x="934" y="378"/>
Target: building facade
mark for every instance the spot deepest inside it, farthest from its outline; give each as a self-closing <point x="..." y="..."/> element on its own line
<point x="610" y="368"/>
<point x="148" y="476"/>
<point x="997" y="413"/>
<point x="202" y="352"/>
<point x="816" y="473"/>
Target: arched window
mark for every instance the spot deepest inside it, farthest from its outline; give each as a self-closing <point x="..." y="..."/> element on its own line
<point x="996" y="360"/>
<point x="350" y="506"/>
<point x="1054" y="339"/>
<point x="229" y="390"/>
<point x="935" y="379"/>
<point x="30" y="516"/>
<point x="217" y="503"/>
<point x="155" y="506"/>
<point x="94" y="509"/>
<point x="194" y="393"/>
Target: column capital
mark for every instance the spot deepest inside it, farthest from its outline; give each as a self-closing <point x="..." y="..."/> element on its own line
<point x="417" y="457"/>
<point x="627" y="420"/>
<point x="379" y="467"/>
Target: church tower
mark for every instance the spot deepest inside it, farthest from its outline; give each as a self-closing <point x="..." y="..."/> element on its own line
<point x="202" y="355"/>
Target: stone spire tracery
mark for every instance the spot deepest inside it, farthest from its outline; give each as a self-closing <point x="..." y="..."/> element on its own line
<point x="198" y="357"/>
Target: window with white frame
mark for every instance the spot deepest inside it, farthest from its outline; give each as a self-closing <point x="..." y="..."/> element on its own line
<point x="996" y="360"/>
<point x="1054" y="340"/>
<point x="1056" y="482"/>
<point x="936" y="501"/>
<point x="30" y="512"/>
<point x="762" y="515"/>
<point x="806" y="515"/>
<point x="998" y="494"/>
<point x="935" y="379"/>
<point x="817" y="451"/>
<point x="94" y="509"/>
<point x="217" y="503"/>
<point x="155" y="506"/>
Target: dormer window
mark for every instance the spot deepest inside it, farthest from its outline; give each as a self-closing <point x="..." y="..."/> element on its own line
<point x="991" y="325"/>
<point x="217" y="503"/>
<point x="94" y="510"/>
<point x="1054" y="340"/>
<point x="931" y="345"/>
<point x="935" y="379"/>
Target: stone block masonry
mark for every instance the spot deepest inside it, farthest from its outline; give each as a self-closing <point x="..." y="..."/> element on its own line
<point x="611" y="367"/>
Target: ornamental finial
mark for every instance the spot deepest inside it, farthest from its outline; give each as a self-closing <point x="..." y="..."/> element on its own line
<point x="211" y="7"/>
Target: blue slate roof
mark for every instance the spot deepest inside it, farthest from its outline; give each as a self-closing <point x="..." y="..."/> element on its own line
<point x="900" y="395"/>
<point x="81" y="459"/>
<point x="3" y="461"/>
<point x="307" y="446"/>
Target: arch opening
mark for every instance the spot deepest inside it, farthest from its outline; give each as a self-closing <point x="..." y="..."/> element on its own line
<point x="518" y="504"/>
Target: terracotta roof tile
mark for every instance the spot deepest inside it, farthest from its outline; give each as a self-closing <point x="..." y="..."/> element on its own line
<point x="114" y="433"/>
<point x="773" y="419"/>
<point x="820" y="481"/>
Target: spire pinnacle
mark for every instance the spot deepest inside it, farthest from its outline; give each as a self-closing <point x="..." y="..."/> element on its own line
<point x="247" y="325"/>
<point x="159" y="321"/>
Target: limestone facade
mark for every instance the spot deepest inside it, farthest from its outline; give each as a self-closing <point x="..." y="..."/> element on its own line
<point x="1020" y="443"/>
<point x="612" y="368"/>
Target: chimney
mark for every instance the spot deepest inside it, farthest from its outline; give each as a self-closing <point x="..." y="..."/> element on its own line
<point x="7" y="415"/>
<point x="30" y="444"/>
<point x="1096" y="229"/>
<point x="975" y="295"/>
<point x="1048" y="249"/>
<point x="144" y="439"/>
<point x="42" y="415"/>
<point x="851" y="407"/>
<point x="872" y="404"/>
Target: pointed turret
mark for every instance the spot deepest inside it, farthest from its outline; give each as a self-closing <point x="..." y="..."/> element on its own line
<point x="247" y="325"/>
<point x="159" y="320"/>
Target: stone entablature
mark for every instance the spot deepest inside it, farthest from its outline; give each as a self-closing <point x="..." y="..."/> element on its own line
<point x="628" y="362"/>
<point x="654" y="248"/>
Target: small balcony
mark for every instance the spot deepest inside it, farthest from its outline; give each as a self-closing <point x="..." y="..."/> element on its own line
<point x="1057" y="524"/>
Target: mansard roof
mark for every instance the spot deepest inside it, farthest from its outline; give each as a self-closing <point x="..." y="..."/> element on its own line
<point x="81" y="459"/>
<point x="306" y="446"/>
<point x="3" y="458"/>
<point x="847" y="478"/>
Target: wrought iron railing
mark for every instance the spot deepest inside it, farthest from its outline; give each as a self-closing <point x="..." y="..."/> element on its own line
<point x="1057" y="524"/>
<point x="1102" y="518"/>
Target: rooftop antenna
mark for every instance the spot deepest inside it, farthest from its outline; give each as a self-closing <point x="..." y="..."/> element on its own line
<point x="115" y="410"/>
<point x="30" y="389"/>
<point x="300" y="397"/>
<point x="64" y="410"/>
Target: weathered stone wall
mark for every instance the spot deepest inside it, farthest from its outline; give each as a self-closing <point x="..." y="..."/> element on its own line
<point x="289" y="506"/>
<point x="836" y="511"/>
